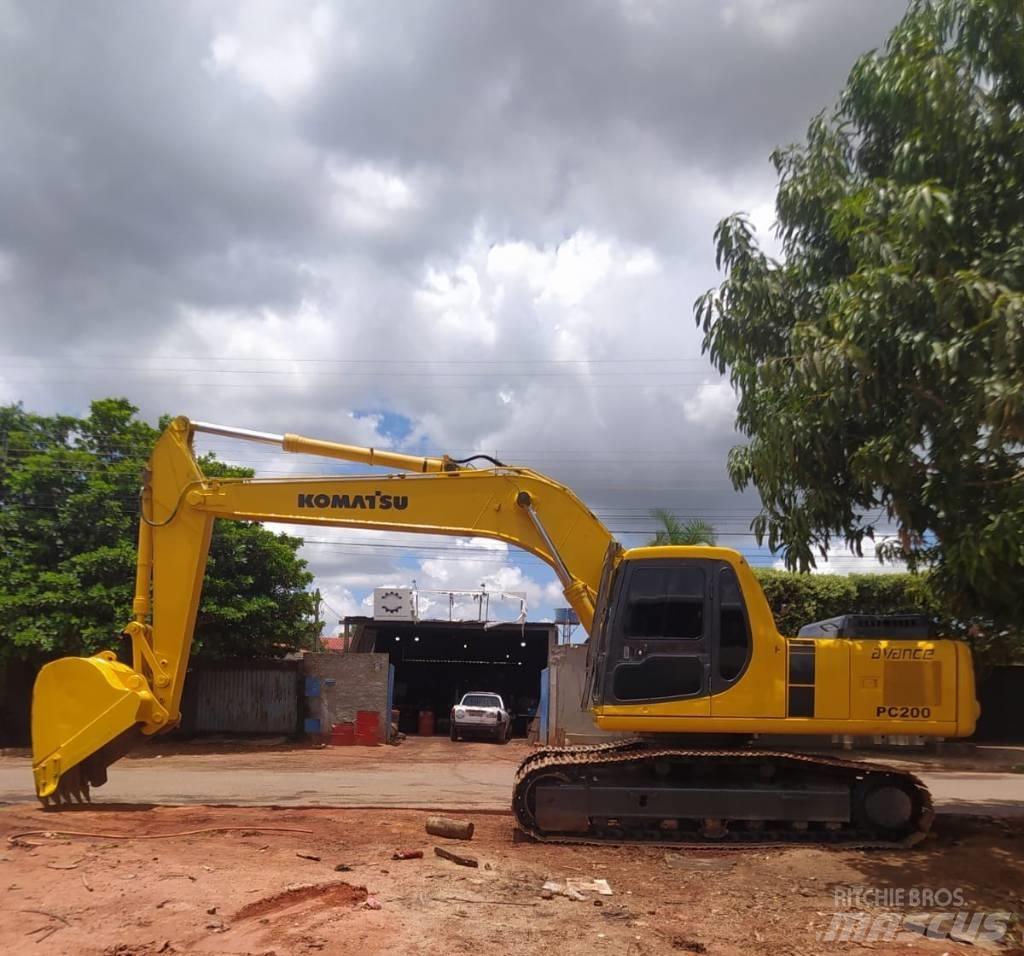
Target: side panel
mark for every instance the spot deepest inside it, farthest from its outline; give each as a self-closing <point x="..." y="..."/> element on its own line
<point x="967" y="708"/>
<point x="921" y="688"/>
<point x="760" y="691"/>
<point x="904" y="680"/>
<point x="832" y="680"/>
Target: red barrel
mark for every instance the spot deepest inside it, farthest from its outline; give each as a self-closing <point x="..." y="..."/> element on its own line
<point x="426" y="723"/>
<point x="367" y="728"/>
<point x="343" y="735"/>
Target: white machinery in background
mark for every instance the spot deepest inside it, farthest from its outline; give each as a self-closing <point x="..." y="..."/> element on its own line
<point x="394" y="604"/>
<point x="430" y="604"/>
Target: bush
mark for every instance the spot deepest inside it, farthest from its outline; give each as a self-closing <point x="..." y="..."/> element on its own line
<point x="799" y="599"/>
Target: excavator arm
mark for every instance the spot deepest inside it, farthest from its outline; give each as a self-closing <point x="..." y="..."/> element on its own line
<point x="87" y="712"/>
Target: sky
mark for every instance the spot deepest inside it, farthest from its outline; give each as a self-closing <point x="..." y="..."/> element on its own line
<point x="435" y="227"/>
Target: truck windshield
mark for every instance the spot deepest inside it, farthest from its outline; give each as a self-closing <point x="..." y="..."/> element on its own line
<point x="481" y="700"/>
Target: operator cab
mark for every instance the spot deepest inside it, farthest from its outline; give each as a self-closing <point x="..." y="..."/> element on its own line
<point x="671" y="623"/>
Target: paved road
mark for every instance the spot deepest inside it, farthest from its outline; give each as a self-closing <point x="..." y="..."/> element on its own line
<point x="995" y="794"/>
<point x="470" y="786"/>
<point x="435" y="775"/>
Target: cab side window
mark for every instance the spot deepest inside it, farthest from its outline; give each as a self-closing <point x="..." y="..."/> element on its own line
<point x="733" y="629"/>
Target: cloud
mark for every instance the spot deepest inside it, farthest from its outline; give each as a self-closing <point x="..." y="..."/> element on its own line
<point x="485" y="223"/>
<point x="843" y="560"/>
<point x="274" y="47"/>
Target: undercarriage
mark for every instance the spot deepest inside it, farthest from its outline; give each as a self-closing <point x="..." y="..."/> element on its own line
<point x="638" y="791"/>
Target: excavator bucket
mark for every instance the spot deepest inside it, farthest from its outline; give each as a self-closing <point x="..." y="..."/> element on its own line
<point x="86" y="713"/>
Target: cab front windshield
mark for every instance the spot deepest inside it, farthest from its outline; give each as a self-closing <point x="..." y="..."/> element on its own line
<point x="481" y="700"/>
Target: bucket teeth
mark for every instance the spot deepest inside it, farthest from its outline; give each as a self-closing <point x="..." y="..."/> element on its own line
<point x="73" y="787"/>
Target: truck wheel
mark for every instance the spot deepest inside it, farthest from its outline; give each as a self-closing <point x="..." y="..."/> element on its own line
<point x="451" y="733"/>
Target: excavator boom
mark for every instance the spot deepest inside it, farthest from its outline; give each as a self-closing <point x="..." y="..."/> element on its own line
<point x="87" y="711"/>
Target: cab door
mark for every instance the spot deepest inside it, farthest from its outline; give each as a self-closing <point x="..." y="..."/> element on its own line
<point x="660" y="634"/>
<point x="597" y="641"/>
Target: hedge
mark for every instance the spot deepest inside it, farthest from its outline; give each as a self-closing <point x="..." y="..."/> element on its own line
<point x="798" y="599"/>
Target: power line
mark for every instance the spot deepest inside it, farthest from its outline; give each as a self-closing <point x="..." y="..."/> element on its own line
<point x="368" y="360"/>
<point x="422" y="373"/>
<point x="309" y="385"/>
<point x="329" y="607"/>
<point x="342" y="543"/>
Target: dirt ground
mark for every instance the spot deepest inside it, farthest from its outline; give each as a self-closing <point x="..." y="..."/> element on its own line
<point x="130" y="882"/>
<point x="250" y="891"/>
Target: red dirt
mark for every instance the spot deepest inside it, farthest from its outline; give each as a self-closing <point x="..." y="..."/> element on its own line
<point x="245" y="892"/>
<point x="321" y="894"/>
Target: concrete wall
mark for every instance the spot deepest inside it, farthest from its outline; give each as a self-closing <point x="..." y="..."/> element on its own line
<point x="350" y="682"/>
<point x="568" y="723"/>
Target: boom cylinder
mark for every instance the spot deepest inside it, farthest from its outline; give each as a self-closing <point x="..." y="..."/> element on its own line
<point x="144" y="560"/>
<point x="299" y="444"/>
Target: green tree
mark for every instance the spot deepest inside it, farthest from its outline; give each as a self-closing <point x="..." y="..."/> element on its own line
<point x="879" y="361"/>
<point x="674" y="531"/>
<point x="69" y="493"/>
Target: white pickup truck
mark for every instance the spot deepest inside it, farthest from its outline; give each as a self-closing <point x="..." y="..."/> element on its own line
<point x="481" y="714"/>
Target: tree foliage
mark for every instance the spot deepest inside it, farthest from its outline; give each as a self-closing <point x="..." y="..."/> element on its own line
<point x="879" y="361"/>
<point x="69" y="492"/>
<point x="674" y="531"/>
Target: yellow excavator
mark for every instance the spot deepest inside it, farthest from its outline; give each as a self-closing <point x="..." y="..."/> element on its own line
<point x="683" y="653"/>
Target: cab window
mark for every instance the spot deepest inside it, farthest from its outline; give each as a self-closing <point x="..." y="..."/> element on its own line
<point x="665" y="602"/>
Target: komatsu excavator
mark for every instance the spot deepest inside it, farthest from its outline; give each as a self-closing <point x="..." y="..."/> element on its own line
<point x="683" y="654"/>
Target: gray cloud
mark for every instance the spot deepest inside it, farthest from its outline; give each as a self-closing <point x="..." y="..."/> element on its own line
<point x="133" y="181"/>
<point x="584" y="111"/>
<point x="493" y="192"/>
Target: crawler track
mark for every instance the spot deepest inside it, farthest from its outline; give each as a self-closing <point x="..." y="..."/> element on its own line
<point x="877" y="805"/>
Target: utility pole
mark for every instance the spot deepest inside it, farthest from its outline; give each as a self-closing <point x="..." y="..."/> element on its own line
<point x="318" y="602"/>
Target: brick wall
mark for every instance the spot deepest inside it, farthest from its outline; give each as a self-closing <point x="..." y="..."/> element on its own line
<point x="349" y="682"/>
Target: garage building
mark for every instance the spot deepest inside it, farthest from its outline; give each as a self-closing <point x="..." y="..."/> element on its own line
<point x="436" y="662"/>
